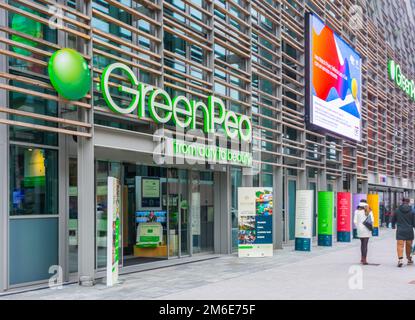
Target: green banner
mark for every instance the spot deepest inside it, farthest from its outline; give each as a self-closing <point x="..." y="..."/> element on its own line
<point x="325" y="212"/>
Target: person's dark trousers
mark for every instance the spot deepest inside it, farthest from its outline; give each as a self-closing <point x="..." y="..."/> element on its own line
<point x="363" y="248"/>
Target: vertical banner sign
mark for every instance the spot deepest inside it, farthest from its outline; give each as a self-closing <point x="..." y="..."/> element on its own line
<point x="373" y="201"/>
<point x="344" y="210"/>
<point x="255" y="222"/>
<point x="357" y="197"/>
<point x="325" y="218"/>
<point x="113" y="230"/>
<point x="304" y="219"/>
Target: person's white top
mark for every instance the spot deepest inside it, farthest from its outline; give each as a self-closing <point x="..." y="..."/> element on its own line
<point x="359" y="218"/>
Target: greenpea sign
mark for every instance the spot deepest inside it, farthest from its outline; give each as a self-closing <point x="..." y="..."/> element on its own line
<point x="396" y="75"/>
<point x="69" y="74"/>
<point x="179" y="109"/>
<point x="325" y="212"/>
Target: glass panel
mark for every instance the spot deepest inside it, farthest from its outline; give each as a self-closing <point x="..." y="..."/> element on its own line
<point x="313" y="186"/>
<point x="29" y="103"/>
<point x="33" y="181"/>
<point x="291" y="207"/>
<point x="103" y="171"/>
<point x="236" y="182"/>
<point x="202" y="211"/>
<point x="101" y="212"/>
<point x="144" y="210"/>
<point x="33" y="249"/>
<point x="174" y="199"/>
<point x="184" y="212"/>
<point x="73" y="216"/>
<point x="284" y="212"/>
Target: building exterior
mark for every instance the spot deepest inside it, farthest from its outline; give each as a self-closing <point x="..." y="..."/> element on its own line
<point x="56" y="154"/>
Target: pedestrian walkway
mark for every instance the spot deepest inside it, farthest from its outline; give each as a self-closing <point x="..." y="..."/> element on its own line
<point x="325" y="273"/>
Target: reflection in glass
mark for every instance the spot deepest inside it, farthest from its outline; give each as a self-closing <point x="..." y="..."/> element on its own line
<point x="202" y="213"/>
<point x="33" y="181"/>
<point x="236" y="176"/>
<point x="73" y="216"/>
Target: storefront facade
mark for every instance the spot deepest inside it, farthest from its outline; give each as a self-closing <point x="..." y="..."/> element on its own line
<point x="57" y="153"/>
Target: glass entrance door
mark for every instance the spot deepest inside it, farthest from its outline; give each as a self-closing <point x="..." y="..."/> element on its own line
<point x="178" y="212"/>
<point x="292" y="189"/>
<point x="202" y="212"/>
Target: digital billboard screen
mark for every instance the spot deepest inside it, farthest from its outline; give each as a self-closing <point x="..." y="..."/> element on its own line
<point x="333" y="82"/>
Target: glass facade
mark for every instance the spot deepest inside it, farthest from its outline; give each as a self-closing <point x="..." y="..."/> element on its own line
<point x="33" y="181"/>
<point x="251" y="54"/>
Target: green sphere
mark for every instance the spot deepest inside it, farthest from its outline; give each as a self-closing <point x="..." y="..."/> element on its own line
<point x="69" y="74"/>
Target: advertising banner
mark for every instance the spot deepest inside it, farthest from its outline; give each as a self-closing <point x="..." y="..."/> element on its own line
<point x="344" y="211"/>
<point x="113" y="230"/>
<point x="357" y="197"/>
<point x="373" y="201"/>
<point x="325" y="210"/>
<point x="255" y="206"/>
<point x="334" y="82"/>
<point x="304" y="219"/>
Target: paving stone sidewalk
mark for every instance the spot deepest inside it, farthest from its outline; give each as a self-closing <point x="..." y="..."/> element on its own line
<point x="325" y="273"/>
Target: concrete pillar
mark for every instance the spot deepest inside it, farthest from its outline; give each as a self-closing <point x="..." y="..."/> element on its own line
<point x="63" y="205"/>
<point x="222" y="223"/>
<point x="86" y="180"/>
<point x="339" y="184"/>
<point x="365" y="187"/>
<point x="353" y="183"/>
<point x="86" y="212"/>
<point x="4" y="170"/>
<point x="302" y="180"/>
<point x="278" y="196"/>
<point x="322" y="180"/>
<point x="247" y="178"/>
<point x="4" y="204"/>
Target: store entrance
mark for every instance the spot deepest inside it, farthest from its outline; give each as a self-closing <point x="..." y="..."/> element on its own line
<point x="144" y="215"/>
<point x="166" y="212"/>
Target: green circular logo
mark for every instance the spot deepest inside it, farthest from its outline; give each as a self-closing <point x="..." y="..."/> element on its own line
<point x="69" y="74"/>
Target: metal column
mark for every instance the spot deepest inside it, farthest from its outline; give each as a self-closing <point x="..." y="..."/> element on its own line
<point x="4" y="171"/>
<point x="277" y="222"/>
<point x="86" y="181"/>
<point x="86" y="212"/>
<point x="63" y="206"/>
<point x="223" y="227"/>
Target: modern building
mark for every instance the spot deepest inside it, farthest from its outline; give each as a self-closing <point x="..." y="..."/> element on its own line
<point x="57" y="153"/>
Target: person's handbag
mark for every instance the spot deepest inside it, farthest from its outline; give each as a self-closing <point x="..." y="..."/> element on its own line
<point x="368" y="223"/>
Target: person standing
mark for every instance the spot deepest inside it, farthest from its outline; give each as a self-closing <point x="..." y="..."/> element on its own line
<point x="362" y="215"/>
<point x="382" y="212"/>
<point x="404" y="219"/>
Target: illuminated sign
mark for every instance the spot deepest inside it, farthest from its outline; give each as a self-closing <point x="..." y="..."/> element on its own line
<point x="211" y="153"/>
<point x="402" y="82"/>
<point x="333" y="82"/>
<point x="179" y="109"/>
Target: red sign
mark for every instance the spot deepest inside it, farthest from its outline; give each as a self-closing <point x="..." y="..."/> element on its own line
<point x="344" y="204"/>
